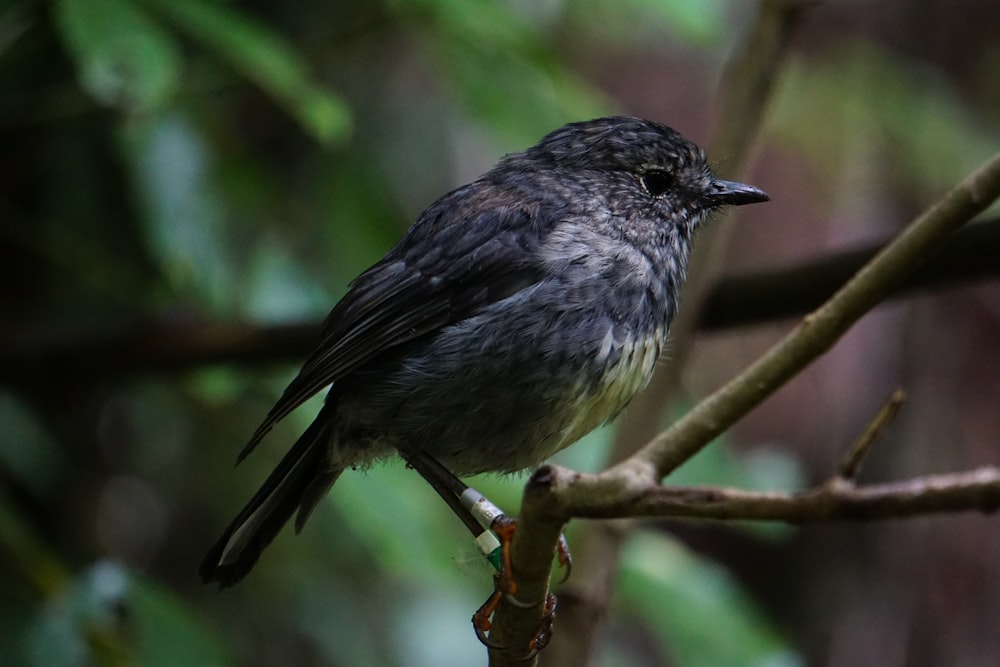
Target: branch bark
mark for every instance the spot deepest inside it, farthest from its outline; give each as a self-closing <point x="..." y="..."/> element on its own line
<point x="554" y="495"/>
<point x="975" y="490"/>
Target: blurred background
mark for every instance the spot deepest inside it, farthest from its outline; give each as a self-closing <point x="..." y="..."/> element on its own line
<point x="187" y="187"/>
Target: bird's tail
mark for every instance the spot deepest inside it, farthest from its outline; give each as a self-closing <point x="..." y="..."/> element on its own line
<point x="301" y="480"/>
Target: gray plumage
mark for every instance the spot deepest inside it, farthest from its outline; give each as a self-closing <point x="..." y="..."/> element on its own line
<point x="518" y="313"/>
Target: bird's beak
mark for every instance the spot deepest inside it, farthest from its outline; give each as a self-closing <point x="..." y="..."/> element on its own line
<point x="731" y="193"/>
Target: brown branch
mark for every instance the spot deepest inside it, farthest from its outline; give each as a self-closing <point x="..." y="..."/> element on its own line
<point x="86" y="356"/>
<point x="633" y="486"/>
<point x="973" y="490"/>
<point x="531" y="552"/>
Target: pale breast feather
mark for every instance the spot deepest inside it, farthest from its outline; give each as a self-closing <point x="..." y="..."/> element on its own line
<point x="621" y="380"/>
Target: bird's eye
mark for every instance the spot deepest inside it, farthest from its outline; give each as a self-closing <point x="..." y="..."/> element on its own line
<point x="656" y="181"/>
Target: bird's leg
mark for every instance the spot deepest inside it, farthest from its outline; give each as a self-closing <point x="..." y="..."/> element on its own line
<point x="503" y="527"/>
<point x="564" y="557"/>
<point x="472" y="508"/>
<point x="494" y="532"/>
<point x="449" y="487"/>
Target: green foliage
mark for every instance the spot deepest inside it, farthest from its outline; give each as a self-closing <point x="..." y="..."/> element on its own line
<point x="481" y="37"/>
<point x="125" y="59"/>
<point x="919" y="123"/>
<point x="672" y="594"/>
<point x="263" y="57"/>
<point x="184" y="211"/>
<point x="108" y="617"/>
<point x="644" y="22"/>
<point x="27" y="452"/>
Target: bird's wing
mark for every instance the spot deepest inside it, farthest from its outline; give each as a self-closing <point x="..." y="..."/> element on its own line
<point x="441" y="272"/>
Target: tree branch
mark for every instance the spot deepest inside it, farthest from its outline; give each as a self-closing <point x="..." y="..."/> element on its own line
<point x="554" y="495"/>
<point x="839" y="498"/>
<point x="970" y="255"/>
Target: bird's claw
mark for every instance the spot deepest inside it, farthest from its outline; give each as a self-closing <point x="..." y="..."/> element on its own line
<point x="565" y="558"/>
<point x="544" y="633"/>
<point x="505" y="587"/>
<point x="481" y="620"/>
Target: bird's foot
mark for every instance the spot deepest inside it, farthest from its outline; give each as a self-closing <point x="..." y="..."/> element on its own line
<point x="505" y="588"/>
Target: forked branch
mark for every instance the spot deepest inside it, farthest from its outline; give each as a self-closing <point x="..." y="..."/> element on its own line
<point x="633" y="487"/>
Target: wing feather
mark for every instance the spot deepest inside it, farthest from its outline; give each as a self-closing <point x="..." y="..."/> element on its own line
<point x="438" y="274"/>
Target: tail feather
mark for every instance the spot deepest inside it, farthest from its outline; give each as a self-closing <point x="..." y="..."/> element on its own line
<point x="299" y="482"/>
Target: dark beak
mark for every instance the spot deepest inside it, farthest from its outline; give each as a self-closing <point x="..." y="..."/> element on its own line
<point x="731" y="193"/>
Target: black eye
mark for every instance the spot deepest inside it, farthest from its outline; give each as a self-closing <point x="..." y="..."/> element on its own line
<point x="656" y="181"/>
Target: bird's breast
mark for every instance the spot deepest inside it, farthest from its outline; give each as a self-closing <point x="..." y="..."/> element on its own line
<point x="621" y="368"/>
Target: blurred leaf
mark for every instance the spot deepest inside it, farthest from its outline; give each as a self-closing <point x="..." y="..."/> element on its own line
<point x="124" y="58"/>
<point x="84" y="624"/>
<point x="265" y="58"/>
<point x="761" y="469"/>
<point x="20" y="544"/>
<point x="590" y="453"/>
<point x="170" y="631"/>
<point x="695" y="609"/>
<point x="15" y="21"/>
<point x="108" y="617"/>
<point x="350" y="195"/>
<point x="183" y="211"/>
<point x="441" y="612"/>
<point x="27" y="453"/>
<point x="395" y="511"/>
<point x="278" y="289"/>
<point x="639" y="23"/>
<point x="861" y="100"/>
<point x="523" y="98"/>
<point x="526" y="91"/>
<point x="696" y="22"/>
<point x="216" y="386"/>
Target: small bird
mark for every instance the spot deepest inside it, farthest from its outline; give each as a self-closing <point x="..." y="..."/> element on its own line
<point x="518" y="313"/>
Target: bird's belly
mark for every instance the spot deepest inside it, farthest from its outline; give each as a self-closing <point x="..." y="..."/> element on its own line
<point x="507" y="407"/>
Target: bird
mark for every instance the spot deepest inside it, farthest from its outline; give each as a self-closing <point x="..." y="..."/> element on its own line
<point x="518" y="313"/>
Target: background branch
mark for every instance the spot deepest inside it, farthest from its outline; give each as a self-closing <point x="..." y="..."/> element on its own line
<point x="754" y="298"/>
<point x="734" y="300"/>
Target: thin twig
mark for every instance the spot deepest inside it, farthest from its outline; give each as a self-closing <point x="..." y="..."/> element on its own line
<point x="851" y="464"/>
